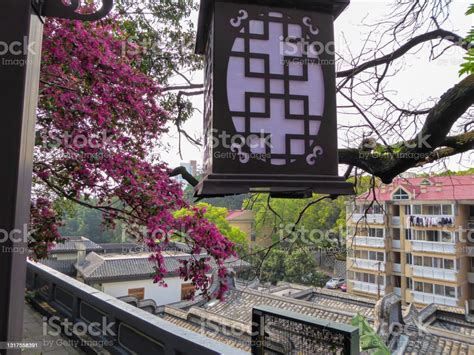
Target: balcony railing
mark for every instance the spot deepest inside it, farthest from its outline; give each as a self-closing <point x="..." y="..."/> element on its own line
<point x="434" y="247"/>
<point x="368" y="242"/>
<point x="470" y="277"/>
<point x="397" y="268"/>
<point x="396" y="221"/>
<point x="396" y="244"/>
<point x="469" y="250"/>
<point x="133" y="330"/>
<point x="369" y="218"/>
<point x="428" y="298"/>
<point x="367" y="264"/>
<point x="367" y="287"/>
<point x="434" y="273"/>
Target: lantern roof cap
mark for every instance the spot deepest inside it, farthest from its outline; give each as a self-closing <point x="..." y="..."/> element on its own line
<point x="333" y="7"/>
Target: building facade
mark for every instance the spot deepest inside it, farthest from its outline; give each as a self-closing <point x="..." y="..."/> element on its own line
<point x="412" y="238"/>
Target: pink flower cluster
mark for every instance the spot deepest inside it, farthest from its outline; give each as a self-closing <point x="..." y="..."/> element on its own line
<point x="99" y="123"/>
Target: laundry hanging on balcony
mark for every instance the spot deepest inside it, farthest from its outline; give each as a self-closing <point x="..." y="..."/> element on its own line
<point x="419" y="221"/>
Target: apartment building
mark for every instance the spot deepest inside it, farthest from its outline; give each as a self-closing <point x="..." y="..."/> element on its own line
<point x="412" y="238"/>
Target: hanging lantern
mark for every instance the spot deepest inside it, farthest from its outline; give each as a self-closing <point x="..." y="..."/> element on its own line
<point x="270" y="98"/>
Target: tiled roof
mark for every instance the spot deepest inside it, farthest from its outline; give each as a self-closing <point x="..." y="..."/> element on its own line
<point x="122" y="248"/>
<point x="70" y="245"/>
<point x="442" y="188"/>
<point x="97" y="267"/>
<point x="236" y="310"/>
<point x="238" y="305"/>
<point x="195" y="318"/>
<point x="240" y="214"/>
<point x="64" y="266"/>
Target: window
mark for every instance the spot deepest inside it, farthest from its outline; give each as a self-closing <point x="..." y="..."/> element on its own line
<point x="446" y="237"/>
<point x="417" y="260"/>
<point x="139" y="293"/>
<point x="438" y="263"/>
<point x="397" y="257"/>
<point x="448" y="209"/>
<point x="428" y="261"/>
<point x="397" y="281"/>
<point x="408" y="257"/>
<point x="376" y="232"/>
<point x="396" y="233"/>
<point x="431" y="236"/>
<point x="400" y="194"/>
<point x="407" y="210"/>
<point x="416" y="209"/>
<point x="439" y="290"/>
<point x="449" y="264"/>
<point x="253" y="236"/>
<point x="434" y="209"/>
<point x="409" y="282"/>
<point x="426" y="182"/>
<point x="418" y="286"/>
<point x="427" y="288"/>
<point x="408" y="234"/>
<point x="187" y="291"/>
<point x="450" y="291"/>
<point x="377" y="209"/>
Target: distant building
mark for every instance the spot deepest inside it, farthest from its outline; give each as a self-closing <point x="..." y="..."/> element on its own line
<point x="125" y="270"/>
<point x="245" y="221"/>
<point x="411" y="238"/>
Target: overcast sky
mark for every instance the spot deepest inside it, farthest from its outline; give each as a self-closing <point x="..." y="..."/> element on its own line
<point x="418" y="81"/>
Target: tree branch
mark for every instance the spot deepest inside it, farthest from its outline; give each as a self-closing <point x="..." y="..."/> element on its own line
<point x="434" y="134"/>
<point x="439" y="33"/>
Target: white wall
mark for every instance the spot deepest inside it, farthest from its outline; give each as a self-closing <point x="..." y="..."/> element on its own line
<point x="66" y="256"/>
<point x="161" y="295"/>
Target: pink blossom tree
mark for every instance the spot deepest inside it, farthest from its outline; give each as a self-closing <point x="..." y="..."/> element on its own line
<point x="99" y="124"/>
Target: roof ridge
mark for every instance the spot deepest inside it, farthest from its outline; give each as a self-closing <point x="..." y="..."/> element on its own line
<point x="299" y="302"/>
<point x="94" y="267"/>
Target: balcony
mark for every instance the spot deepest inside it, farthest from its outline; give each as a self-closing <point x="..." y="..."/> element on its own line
<point x="433" y="217"/>
<point x="397" y="268"/>
<point x="433" y="247"/>
<point x="469" y="250"/>
<point x="434" y="273"/>
<point x="397" y="291"/>
<point x="396" y="221"/>
<point x="370" y="218"/>
<point x="470" y="277"/>
<point x="367" y="264"/>
<point x="128" y="329"/>
<point x="428" y="298"/>
<point x="396" y="244"/>
<point x="367" y="287"/>
<point x="368" y="242"/>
